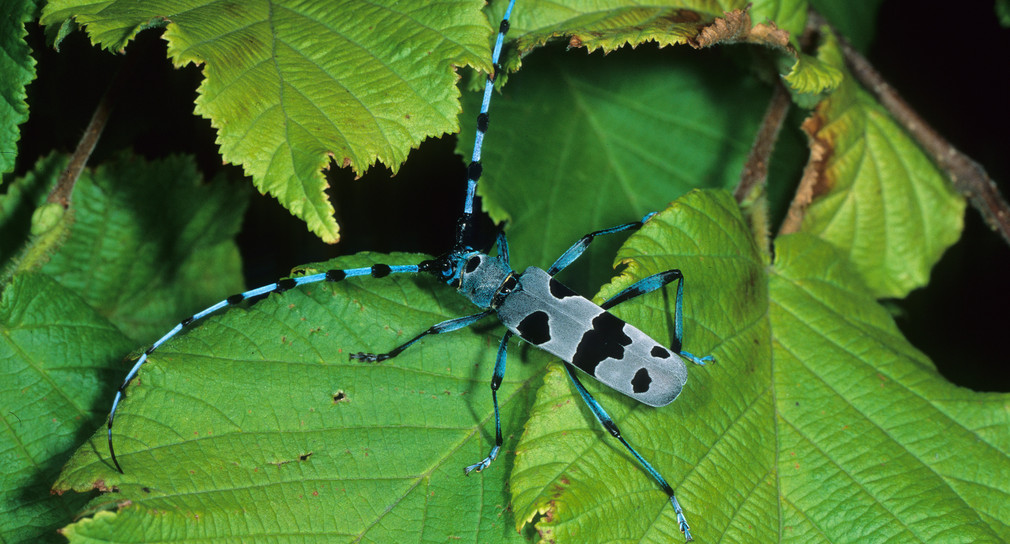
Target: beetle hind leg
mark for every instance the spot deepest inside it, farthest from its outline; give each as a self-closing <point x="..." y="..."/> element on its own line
<point x="611" y="427"/>
<point x="499" y="374"/>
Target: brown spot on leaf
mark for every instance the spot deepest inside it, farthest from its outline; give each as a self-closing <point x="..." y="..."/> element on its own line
<point x="731" y="28"/>
<point x="814" y="181"/>
<point x="822" y="148"/>
<point x="736" y="27"/>
<point x="769" y="34"/>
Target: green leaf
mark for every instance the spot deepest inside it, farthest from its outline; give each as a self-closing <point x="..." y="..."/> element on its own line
<point x="816" y="421"/>
<point x="55" y="359"/>
<point x="873" y="191"/>
<point x="290" y="85"/>
<point x="865" y="423"/>
<point x="810" y="76"/>
<point x="579" y="143"/>
<point x="255" y="424"/>
<point x="17" y="70"/>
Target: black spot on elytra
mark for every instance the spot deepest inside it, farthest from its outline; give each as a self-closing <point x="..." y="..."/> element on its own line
<point x="660" y="352"/>
<point x="605" y="339"/>
<point x="560" y="290"/>
<point x="640" y="383"/>
<point x="535" y="328"/>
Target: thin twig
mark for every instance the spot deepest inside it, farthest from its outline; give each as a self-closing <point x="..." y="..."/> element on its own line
<point x="755" y="170"/>
<point x="64" y="189"/>
<point x="967" y="176"/>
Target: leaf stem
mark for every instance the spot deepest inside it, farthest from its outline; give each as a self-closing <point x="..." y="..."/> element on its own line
<point x="755" y="170"/>
<point x="750" y="192"/>
<point x="62" y="192"/>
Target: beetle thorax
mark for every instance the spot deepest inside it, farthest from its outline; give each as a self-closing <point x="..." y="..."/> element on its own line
<point x="481" y="277"/>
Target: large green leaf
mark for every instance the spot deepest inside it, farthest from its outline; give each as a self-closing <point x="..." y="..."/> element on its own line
<point x="817" y="421"/>
<point x="55" y="358"/>
<point x="256" y="425"/>
<point x="290" y="85"/>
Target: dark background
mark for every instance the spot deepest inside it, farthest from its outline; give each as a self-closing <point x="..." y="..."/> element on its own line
<point x="948" y="61"/>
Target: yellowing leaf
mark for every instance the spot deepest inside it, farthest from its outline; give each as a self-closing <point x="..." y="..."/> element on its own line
<point x="874" y="193"/>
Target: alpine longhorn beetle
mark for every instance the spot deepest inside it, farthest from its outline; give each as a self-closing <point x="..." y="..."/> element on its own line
<point x="531" y="305"/>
